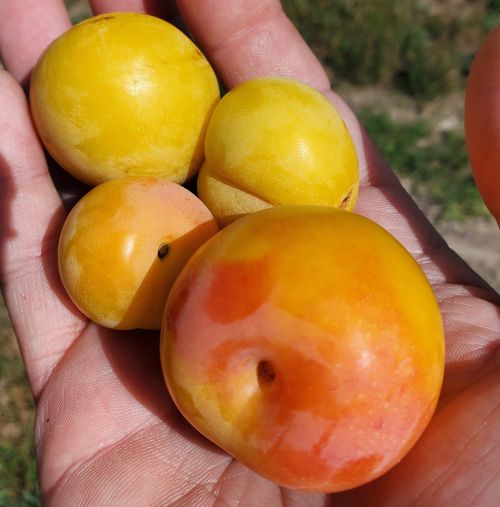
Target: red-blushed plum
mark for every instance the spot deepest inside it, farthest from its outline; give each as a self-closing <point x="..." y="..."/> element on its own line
<point x="307" y="343"/>
<point x="123" y="245"/>
<point x="482" y="124"/>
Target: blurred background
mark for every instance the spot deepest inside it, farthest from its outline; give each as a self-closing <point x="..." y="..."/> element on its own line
<point x="402" y="66"/>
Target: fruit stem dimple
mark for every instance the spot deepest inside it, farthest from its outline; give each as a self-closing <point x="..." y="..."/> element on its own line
<point x="163" y="251"/>
<point x="265" y="373"/>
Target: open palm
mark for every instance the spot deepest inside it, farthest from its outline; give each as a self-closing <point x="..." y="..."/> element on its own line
<point x="107" y="432"/>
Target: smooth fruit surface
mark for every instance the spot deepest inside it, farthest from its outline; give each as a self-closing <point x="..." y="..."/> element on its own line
<point x="307" y="343"/>
<point x="124" y="94"/>
<point x="123" y="245"/>
<point x="482" y="121"/>
<point x="274" y="141"/>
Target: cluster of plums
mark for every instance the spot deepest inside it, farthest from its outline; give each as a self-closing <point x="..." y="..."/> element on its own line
<point x="302" y="338"/>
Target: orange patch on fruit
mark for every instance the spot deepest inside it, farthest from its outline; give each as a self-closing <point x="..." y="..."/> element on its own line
<point x="171" y="316"/>
<point x="238" y="288"/>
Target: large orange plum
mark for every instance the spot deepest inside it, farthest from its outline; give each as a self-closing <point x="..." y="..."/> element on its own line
<point x="307" y="343"/>
<point x="123" y="245"/>
<point x="124" y="94"/>
<point x="276" y="141"/>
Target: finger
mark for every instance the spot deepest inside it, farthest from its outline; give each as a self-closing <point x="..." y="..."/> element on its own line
<point x="27" y="27"/>
<point x="245" y="42"/>
<point x="482" y="121"/>
<point x="160" y="8"/>
<point x="249" y="39"/>
<point x="32" y="214"/>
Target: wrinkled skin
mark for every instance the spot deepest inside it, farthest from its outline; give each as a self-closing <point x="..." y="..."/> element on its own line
<point x="106" y="430"/>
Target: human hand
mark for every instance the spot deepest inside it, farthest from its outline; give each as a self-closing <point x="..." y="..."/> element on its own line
<point x="107" y="432"/>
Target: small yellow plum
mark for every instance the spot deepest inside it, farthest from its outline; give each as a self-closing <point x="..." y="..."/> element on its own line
<point x="124" y="94"/>
<point x="123" y="245"/>
<point x="307" y="343"/>
<point x="276" y="141"/>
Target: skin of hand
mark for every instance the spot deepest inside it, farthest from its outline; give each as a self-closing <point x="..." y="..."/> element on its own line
<point x="106" y="430"/>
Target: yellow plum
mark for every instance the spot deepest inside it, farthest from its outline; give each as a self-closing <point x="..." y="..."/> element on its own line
<point x="274" y="141"/>
<point x="123" y="245"/>
<point x="307" y="343"/>
<point x="124" y="94"/>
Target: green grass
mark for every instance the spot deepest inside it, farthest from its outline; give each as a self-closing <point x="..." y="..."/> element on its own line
<point x="18" y="485"/>
<point x="78" y="9"/>
<point x="436" y="164"/>
<point x="492" y="17"/>
<point x="18" y="481"/>
<point x="398" y="44"/>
